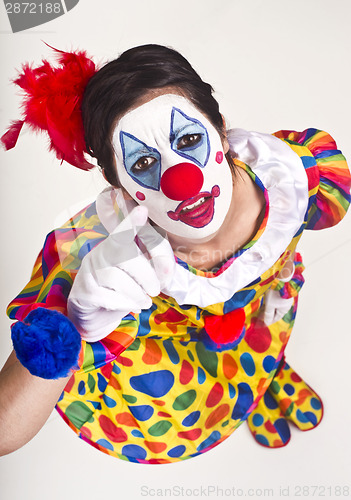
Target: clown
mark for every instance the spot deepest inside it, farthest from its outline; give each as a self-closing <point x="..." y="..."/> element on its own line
<point x="164" y="308"/>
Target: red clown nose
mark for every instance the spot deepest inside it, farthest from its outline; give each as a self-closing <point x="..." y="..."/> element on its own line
<point x="182" y="181"/>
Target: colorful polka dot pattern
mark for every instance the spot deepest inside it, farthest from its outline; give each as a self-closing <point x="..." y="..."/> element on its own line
<point x="288" y="398"/>
<point x="171" y="388"/>
<point x="149" y="408"/>
<point x="161" y="388"/>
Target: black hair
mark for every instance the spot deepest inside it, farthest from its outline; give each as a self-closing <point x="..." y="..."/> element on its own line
<point x="114" y="89"/>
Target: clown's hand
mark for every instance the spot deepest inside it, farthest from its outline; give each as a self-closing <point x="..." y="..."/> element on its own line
<point x="275" y="307"/>
<point x="116" y="278"/>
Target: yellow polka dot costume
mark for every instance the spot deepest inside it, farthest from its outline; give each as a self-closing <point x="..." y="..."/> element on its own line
<point x="159" y="389"/>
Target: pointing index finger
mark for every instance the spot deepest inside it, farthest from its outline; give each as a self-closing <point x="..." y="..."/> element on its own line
<point x="160" y="251"/>
<point x="120" y="246"/>
<point x="134" y="220"/>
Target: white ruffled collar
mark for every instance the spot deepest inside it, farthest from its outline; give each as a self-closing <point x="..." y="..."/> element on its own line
<point x="281" y="172"/>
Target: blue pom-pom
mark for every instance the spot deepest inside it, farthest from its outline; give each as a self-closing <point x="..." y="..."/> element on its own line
<point x="46" y="343"/>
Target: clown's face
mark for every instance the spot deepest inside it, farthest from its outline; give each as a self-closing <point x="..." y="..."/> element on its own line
<point x="170" y="158"/>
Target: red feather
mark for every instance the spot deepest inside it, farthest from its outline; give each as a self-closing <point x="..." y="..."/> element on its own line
<point x="10" y="137"/>
<point x="52" y="103"/>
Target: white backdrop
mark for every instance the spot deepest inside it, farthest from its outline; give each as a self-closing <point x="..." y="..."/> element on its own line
<point x="273" y="65"/>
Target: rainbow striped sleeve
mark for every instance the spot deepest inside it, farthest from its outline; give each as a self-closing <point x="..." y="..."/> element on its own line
<point x="329" y="176"/>
<point x="52" y="278"/>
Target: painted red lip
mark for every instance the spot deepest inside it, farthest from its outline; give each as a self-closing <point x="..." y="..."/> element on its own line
<point x="201" y="214"/>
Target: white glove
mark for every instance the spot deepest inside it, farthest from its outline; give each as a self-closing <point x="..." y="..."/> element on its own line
<point x="116" y="278"/>
<point x="275" y="305"/>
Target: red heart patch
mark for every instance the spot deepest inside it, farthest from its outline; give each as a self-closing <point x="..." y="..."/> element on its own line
<point x="227" y="328"/>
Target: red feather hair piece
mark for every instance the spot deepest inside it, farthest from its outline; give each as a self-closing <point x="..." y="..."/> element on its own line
<point x="52" y="103"/>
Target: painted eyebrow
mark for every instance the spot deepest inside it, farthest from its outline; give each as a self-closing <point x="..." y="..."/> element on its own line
<point x="139" y="148"/>
<point x="143" y="151"/>
<point x="185" y="127"/>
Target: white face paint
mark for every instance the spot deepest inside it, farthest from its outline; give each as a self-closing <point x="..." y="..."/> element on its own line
<point x="170" y="158"/>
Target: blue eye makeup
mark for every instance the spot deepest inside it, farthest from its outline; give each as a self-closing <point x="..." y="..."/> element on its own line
<point x="189" y="138"/>
<point x="142" y="162"/>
